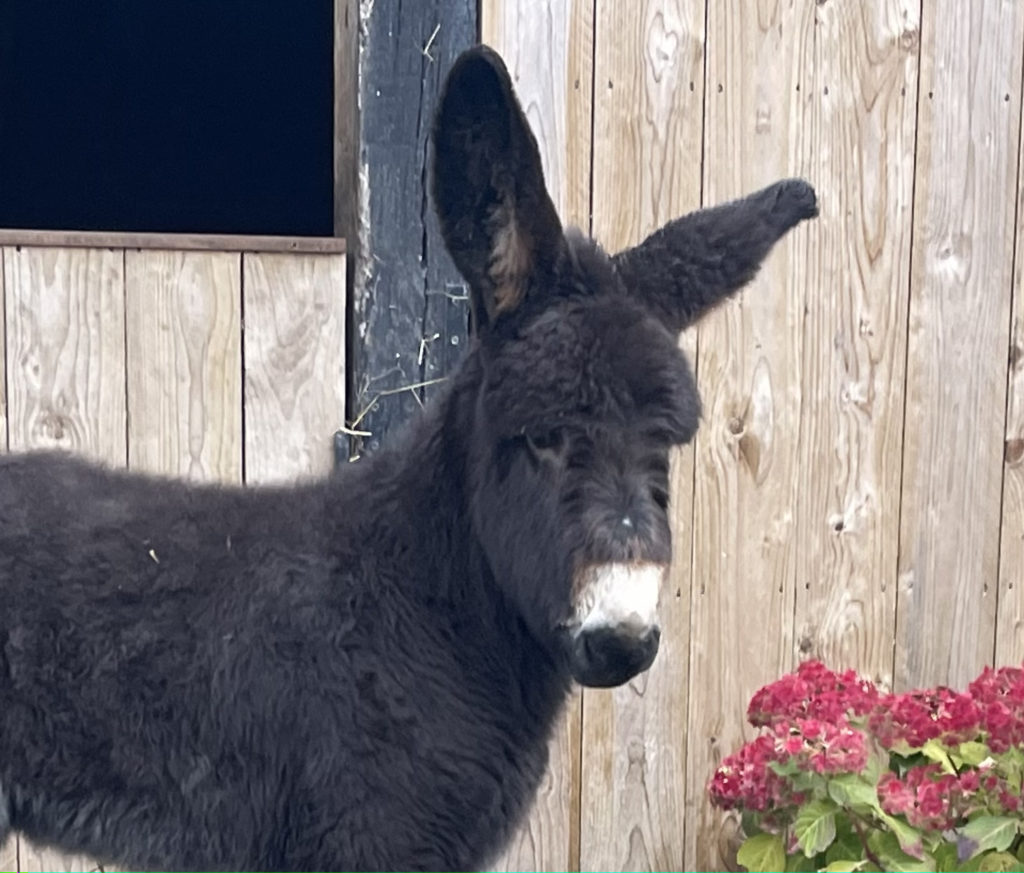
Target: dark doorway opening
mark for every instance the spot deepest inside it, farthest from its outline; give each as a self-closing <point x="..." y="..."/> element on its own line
<point x="189" y="116"/>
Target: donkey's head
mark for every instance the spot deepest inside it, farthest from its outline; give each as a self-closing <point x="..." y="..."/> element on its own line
<point x="581" y="389"/>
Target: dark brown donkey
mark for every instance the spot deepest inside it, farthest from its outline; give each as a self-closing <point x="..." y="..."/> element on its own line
<point x="363" y="672"/>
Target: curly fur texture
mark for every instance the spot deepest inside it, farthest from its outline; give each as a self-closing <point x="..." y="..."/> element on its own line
<point x="363" y="672"/>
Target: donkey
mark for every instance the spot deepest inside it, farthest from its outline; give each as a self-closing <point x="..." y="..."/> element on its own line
<point x="363" y="672"/>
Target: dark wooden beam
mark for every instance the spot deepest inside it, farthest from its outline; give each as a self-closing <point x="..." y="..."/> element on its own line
<point x="409" y="309"/>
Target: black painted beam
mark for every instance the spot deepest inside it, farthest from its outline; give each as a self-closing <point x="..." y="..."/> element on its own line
<point x="409" y="308"/>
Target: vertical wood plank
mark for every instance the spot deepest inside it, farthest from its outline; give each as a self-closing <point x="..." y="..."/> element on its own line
<point x="184" y="363"/>
<point x="3" y="357"/>
<point x="548" y="47"/>
<point x="747" y="451"/>
<point x="860" y="116"/>
<point x="294" y="353"/>
<point x="1010" y="617"/>
<point x="959" y="315"/>
<point x="9" y="849"/>
<point x="346" y="119"/>
<point x="648" y="100"/>
<point x="65" y="341"/>
<point x="64" y="313"/>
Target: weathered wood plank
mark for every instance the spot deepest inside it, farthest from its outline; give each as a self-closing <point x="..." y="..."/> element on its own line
<point x="1010" y="616"/>
<point x="171" y="241"/>
<point x="9" y="850"/>
<point x="184" y="381"/>
<point x="959" y="315"/>
<point x="648" y="128"/>
<point x="65" y="350"/>
<point x="294" y="354"/>
<point x="409" y="307"/>
<point x="65" y="376"/>
<point x="859" y="112"/>
<point x="346" y="117"/>
<point x="3" y="362"/>
<point x="747" y="452"/>
<point x="548" y="47"/>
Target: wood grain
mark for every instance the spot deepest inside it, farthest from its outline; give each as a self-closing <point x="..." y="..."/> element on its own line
<point x="346" y="118"/>
<point x="859" y="114"/>
<point x="65" y="375"/>
<point x="294" y="353"/>
<point x="3" y="361"/>
<point x="969" y="118"/>
<point x="65" y="351"/>
<point x="548" y="47"/>
<point x="1010" y="615"/>
<point x="203" y="242"/>
<point x="648" y="98"/>
<point x="747" y="453"/>
<point x="184" y="363"/>
<point x="9" y="849"/>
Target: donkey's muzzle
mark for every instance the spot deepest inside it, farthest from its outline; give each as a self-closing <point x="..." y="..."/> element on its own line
<point x="614" y="632"/>
<point x="606" y="657"/>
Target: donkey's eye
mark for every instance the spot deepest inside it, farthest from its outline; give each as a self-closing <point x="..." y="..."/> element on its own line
<point x="660" y="496"/>
<point x="546" y="446"/>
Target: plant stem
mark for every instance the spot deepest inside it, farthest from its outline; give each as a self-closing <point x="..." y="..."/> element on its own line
<point x="871" y="856"/>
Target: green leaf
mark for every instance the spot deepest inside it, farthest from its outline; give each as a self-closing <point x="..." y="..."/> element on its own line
<point x="972" y="753"/>
<point x="887" y="847"/>
<point x="946" y="859"/>
<point x="784" y="768"/>
<point x="750" y="823"/>
<point x="763" y="853"/>
<point x="997" y="862"/>
<point x="815" y="826"/>
<point x="933" y="750"/>
<point x="847" y="846"/>
<point x="844" y="866"/>
<point x="909" y="838"/>
<point x="850" y="790"/>
<point x="988" y="832"/>
<point x="800" y="863"/>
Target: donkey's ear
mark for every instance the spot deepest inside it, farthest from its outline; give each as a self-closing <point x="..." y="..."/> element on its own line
<point x="693" y="263"/>
<point x="496" y="216"/>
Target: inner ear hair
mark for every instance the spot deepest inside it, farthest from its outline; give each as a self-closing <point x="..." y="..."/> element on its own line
<point x="510" y="262"/>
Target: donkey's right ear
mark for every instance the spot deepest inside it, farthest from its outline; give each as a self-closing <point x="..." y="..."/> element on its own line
<point x="496" y="216"/>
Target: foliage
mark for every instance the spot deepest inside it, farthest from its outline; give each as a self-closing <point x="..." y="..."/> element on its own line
<point x="845" y="777"/>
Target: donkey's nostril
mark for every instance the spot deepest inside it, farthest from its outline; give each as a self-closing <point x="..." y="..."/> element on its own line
<point x="608" y="656"/>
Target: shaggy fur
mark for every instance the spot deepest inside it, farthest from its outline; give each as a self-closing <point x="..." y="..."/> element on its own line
<point x="363" y="672"/>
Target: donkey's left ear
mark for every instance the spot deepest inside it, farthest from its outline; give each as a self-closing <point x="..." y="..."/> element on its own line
<point x="496" y="216"/>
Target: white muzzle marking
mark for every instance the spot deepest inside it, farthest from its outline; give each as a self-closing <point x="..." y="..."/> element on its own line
<point x="619" y="595"/>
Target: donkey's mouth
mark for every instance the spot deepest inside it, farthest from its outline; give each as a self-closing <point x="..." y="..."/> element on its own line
<point x="614" y="631"/>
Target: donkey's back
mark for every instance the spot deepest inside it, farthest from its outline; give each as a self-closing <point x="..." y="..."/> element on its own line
<point x="128" y="605"/>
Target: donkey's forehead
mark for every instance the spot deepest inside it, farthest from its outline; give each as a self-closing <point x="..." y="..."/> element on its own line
<point x="596" y="360"/>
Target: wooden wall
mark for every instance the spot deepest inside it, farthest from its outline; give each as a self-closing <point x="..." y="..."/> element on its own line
<point x="212" y="365"/>
<point x="856" y="492"/>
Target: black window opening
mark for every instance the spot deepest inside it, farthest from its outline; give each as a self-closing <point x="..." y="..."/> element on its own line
<point x="177" y="116"/>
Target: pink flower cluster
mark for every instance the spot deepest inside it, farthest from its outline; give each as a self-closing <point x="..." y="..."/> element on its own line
<point x="935" y="800"/>
<point x="827" y="723"/>
<point x="813" y="691"/>
<point x="927" y="797"/>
